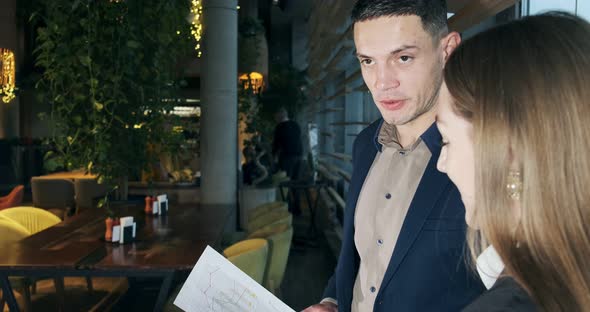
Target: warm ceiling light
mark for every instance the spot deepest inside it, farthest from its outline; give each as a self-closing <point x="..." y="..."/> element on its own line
<point x="254" y="79"/>
<point x="7" y="75"/>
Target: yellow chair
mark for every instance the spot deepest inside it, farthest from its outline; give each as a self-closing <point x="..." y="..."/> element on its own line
<point x="273" y="217"/>
<point x="33" y="219"/>
<point x="263" y="209"/>
<point x="11" y="231"/>
<point x="250" y="256"/>
<point x="36" y="220"/>
<point x="265" y="214"/>
<point x="279" y="237"/>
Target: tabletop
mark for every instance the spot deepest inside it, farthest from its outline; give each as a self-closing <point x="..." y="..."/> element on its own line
<point x="171" y="242"/>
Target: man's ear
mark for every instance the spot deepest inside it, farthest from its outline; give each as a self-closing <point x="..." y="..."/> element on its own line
<point x="449" y="43"/>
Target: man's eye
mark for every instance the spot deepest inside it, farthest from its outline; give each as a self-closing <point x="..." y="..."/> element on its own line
<point x="366" y="61"/>
<point x="405" y="58"/>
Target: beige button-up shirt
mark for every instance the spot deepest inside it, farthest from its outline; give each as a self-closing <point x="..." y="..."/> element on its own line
<point x="384" y="200"/>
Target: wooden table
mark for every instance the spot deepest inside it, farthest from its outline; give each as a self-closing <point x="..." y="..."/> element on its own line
<point x="164" y="245"/>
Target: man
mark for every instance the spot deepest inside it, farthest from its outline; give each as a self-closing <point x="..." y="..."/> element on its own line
<point x="287" y="143"/>
<point x="289" y="149"/>
<point x="404" y="225"/>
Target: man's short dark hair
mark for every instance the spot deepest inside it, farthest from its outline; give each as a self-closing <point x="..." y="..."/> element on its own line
<point x="432" y="13"/>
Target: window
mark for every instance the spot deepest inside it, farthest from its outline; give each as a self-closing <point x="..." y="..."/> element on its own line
<point x="531" y="7"/>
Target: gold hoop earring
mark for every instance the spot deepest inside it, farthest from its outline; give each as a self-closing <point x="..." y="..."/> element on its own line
<point x="514" y="184"/>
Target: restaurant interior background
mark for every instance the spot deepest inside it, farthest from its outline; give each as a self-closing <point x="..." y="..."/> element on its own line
<point x="125" y="91"/>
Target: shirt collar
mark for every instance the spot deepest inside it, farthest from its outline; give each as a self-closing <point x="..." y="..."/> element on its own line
<point x="431" y="137"/>
<point x="489" y="266"/>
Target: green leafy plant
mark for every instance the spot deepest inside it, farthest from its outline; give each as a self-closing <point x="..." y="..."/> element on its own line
<point x="249" y="32"/>
<point x="110" y="75"/>
<point x="286" y="89"/>
<point x="286" y="86"/>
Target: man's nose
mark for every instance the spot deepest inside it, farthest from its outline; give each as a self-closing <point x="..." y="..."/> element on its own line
<point x="387" y="78"/>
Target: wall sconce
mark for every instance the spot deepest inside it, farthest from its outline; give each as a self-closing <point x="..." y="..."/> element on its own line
<point x="7" y="75"/>
<point x="254" y="80"/>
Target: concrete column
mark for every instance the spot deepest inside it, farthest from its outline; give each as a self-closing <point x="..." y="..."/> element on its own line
<point x="219" y="103"/>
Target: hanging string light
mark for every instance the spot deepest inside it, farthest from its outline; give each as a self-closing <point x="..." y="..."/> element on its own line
<point x="197" y="23"/>
<point x="7" y="75"/>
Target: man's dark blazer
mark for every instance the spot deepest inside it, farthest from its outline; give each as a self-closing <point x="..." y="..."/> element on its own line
<point x="427" y="271"/>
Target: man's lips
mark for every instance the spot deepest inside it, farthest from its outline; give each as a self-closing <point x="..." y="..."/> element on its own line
<point x="392" y="104"/>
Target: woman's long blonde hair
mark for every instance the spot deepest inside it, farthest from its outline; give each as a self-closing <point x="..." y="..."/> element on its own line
<point x="525" y="86"/>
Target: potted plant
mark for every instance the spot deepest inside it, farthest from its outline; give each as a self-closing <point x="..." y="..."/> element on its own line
<point x="110" y="74"/>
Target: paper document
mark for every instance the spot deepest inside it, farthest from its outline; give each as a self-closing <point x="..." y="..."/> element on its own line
<point x="215" y="284"/>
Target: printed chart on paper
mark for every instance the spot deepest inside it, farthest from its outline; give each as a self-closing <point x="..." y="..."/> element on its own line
<point x="215" y="284"/>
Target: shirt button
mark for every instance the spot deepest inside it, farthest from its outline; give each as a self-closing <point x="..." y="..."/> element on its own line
<point x="373" y="289"/>
<point x="379" y="242"/>
<point x="388" y="196"/>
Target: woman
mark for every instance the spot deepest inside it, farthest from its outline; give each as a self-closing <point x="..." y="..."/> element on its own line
<point x="514" y="114"/>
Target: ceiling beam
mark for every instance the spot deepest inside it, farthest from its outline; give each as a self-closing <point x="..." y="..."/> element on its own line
<point x="477" y="11"/>
<point x="454" y="6"/>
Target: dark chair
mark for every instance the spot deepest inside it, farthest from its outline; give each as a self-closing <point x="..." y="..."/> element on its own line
<point x="53" y="194"/>
<point x="88" y="192"/>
